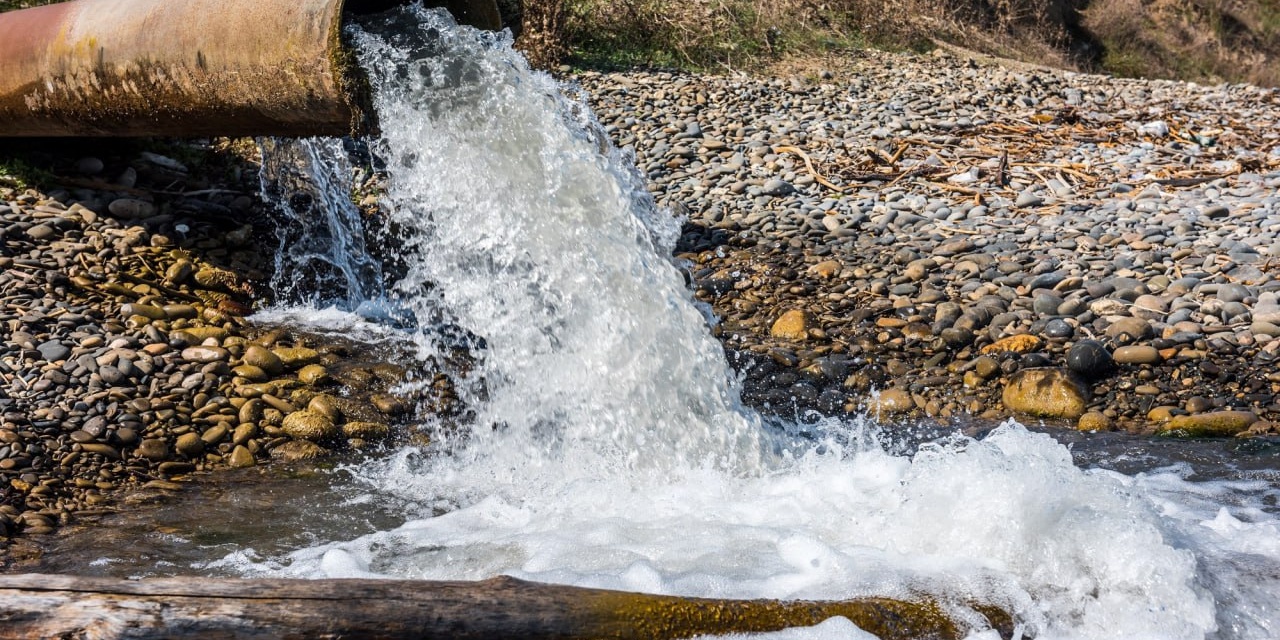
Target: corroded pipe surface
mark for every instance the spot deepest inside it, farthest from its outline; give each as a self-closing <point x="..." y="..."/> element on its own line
<point x="187" y="67"/>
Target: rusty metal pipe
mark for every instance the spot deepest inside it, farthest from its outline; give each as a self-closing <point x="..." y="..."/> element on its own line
<point x="191" y="68"/>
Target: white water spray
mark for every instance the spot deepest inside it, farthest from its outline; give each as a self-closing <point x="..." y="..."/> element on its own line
<point x="611" y="450"/>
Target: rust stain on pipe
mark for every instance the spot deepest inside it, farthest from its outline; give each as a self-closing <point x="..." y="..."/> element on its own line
<point x="186" y="68"/>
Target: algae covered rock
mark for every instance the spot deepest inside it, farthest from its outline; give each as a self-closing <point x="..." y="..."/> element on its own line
<point x="1218" y="424"/>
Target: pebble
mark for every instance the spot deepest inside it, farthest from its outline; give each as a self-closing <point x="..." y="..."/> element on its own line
<point x="1136" y="354"/>
<point x="131" y="209"/>
<point x="792" y="325"/>
<point x="205" y="355"/>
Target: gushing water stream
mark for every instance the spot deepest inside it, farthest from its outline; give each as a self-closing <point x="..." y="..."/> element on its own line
<point x="610" y="448"/>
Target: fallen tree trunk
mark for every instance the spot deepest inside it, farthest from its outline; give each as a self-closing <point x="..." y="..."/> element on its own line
<point x="45" y="606"/>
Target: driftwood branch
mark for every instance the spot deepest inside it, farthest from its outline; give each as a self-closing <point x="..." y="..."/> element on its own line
<point x="49" y="606"/>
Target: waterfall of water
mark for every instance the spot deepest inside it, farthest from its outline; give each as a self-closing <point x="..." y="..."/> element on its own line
<point x="610" y="448"/>
<point x="321" y="257"/>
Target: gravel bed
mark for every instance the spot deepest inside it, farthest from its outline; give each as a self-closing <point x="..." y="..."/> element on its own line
<point x="930" y="235"/>
<point x="127" y="361"/>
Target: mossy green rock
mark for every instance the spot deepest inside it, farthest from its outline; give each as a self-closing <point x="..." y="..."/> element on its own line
<point x="1046" y="393"/>
<point x="1219" y="424"/>
<point x="309" y="425"/>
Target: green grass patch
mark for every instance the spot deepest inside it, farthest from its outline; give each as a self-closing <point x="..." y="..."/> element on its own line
<point x="20" y="173"/>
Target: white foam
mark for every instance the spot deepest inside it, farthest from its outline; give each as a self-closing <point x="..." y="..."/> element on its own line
<point x="1008" y="520"/>
<point x="610" y="449"/>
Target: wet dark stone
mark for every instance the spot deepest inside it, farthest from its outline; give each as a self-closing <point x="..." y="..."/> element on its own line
<point x="1089" y="358"/>
<point x="1033" y="361"/>
<point x="1058" y="328"/>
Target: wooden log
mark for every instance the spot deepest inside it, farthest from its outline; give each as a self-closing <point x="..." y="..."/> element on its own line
<point x="48" y="606"/>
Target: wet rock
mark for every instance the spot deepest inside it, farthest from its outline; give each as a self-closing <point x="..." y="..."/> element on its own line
<point x="1089" y="358"/>
<point x="309" y="425"/>
<point x="313" y="374"/>
<point x="295" y="357"/>
<point x="890" y="402"/>
<point x="366" y="430"/>
<point x="262" y="358"/>
<point x="389" y="404"/>
<point x="1218" y="424"/>
<point x="1094" y="421"/>
<point x="297" y="450"/>
<point x="189" y="444"/>
<point x="1046" y="393"/>
<point x="986" y="367"/>
<point x="792" y="325"/>
<point x="326" y="405"/>
<point x="155" y="449"/>
<point x="241" y="457"/>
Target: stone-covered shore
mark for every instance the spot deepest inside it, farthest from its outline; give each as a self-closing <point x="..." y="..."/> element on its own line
<point x="914" y="236"/>
<point x="126" y="359"/>
<point x="943" y="237"/>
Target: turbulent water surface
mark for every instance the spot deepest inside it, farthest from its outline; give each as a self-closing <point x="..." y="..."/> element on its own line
<point x="610" y="448"/>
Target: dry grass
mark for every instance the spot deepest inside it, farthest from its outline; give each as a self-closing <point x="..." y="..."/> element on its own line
<point x="1235" y="40"/>
<point x="717" y="34"/>
<point x="1205" y="40"/>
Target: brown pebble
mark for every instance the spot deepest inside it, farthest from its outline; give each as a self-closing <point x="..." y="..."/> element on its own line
<point x="241" y="457"/>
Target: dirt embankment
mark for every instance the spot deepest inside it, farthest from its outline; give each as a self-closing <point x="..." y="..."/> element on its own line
<point x="1203" y="40"/>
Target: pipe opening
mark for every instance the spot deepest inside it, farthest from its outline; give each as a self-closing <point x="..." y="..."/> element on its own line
<point x="366" y="7"/>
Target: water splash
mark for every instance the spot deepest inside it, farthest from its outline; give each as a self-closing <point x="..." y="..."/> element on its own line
<point x="611" y="450"/>
<point x="527" y="228"/>
<point x="321" y="258"/>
